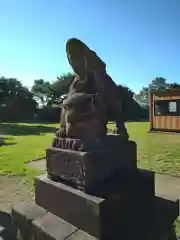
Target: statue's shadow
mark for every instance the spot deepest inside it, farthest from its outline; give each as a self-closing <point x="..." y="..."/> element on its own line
<point x="4" y="141"/>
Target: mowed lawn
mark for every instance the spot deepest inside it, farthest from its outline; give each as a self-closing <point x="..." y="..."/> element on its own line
<point x="21" y="143"/>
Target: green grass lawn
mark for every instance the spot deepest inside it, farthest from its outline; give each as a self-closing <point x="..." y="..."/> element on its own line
<point x="26" y="142"/>
<point x="23" y="143"/>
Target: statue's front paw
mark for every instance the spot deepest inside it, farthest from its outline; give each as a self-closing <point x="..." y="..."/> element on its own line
<point x="116" y="131"/>
<point x="61" y="133"/>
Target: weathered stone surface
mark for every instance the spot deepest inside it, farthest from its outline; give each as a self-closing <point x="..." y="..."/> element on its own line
<point x="114" y="204"/>
<point x="93" y="97"/>
<point x="78" y="144"/>
<point x="141" y="223"/>
<point x="23" y="215"/>
<point x="51" y="227"/>
<point x="144" y="186"/>
<point x="80" y="235"/>
<point x="109" y="141"/>
<point x="138" y="185"/>
<point x="84" y="168"/>
<point x="146" y="223"/>
<point x="159" y="222"/>
<point x="146" y="179"/>
<point x="36" y="223"/>
<point x="82" y="210"/>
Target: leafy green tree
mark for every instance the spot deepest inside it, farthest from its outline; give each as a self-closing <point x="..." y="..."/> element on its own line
<point x="159" y="83"/>
<point x="9" y="88"/>
<point x="142" y="97"/>
<point x="16" y="101"/>
<point x="60" y="87"/>
<point x="130" y="107"/>
<point x="174" y="85"/>
<point x="3" y="90"/>
<point x="42" y="91"/>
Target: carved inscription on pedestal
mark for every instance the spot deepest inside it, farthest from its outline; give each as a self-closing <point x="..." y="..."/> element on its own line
<point x="66" y="165"/>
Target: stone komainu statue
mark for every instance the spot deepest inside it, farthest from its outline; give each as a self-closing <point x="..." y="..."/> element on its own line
<point x="91" y="95"/>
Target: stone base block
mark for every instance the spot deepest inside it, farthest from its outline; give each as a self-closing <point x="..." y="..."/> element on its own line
<point x="139" y="184"/>
<point x="93" y="214"/>
<point x="85" y="169"/>
<point x="24" y="214"/>
<point x="160" y="222"/>
<point x="154" y="223"/>
<point x="35" y="223"/>
<point x="84" y="211"/>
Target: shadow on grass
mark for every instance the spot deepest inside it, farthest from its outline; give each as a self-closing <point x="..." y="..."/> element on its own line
<point x="19" y="130"/>
<point x="3" y="141"/>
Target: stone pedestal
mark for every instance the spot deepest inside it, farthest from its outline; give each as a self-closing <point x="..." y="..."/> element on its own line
<point x="103" y="219"/>
<point x="81" y="210"/>
<point x="36" y="223"/>
<point x="93" y="214"/>
<point x="100" y="194"/>
<point x="84" y="169"/>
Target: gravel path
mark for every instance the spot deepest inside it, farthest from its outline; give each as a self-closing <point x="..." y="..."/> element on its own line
<point x="13" y="190"/>
<point x="165" y="185"/>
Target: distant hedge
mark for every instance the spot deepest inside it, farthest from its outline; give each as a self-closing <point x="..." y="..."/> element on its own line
<point x="52" y="114"/>
<point x="16" y="114"/>
<point x="45" y="114"/>
<point x="49" y="114"/>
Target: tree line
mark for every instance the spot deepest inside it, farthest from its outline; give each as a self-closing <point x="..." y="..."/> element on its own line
<point x="43" y="100"/>
<point x="159" y="83"/>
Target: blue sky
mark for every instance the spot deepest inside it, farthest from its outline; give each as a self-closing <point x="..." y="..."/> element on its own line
<point x="138" y="39"/>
